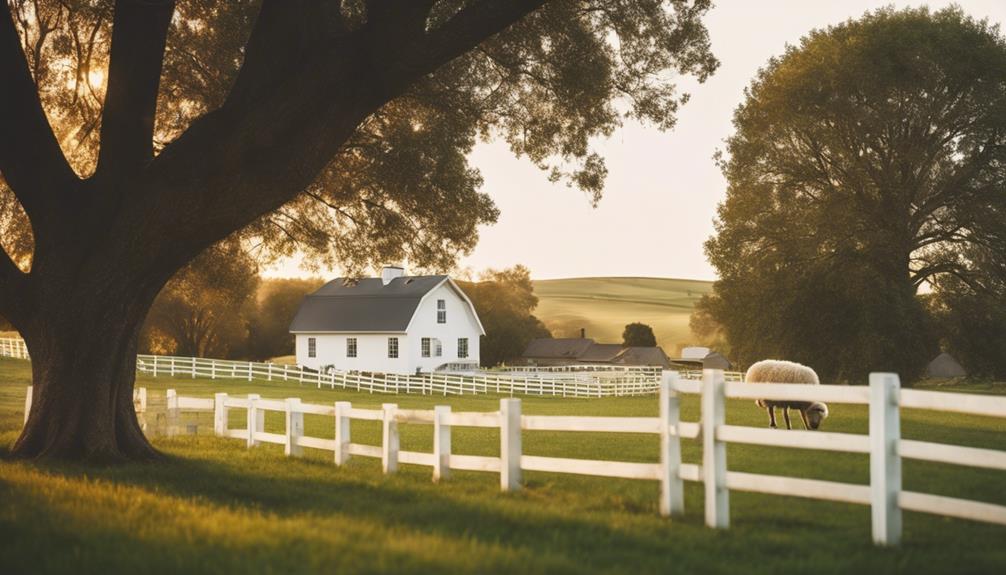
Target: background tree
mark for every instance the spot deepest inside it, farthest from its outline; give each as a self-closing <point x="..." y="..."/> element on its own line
<point x="269" y="326"/>
<point x="204" y="311"/>
<point x="972" y="324"/>
<point x="638" y="335"/>
<point x="505" y="300"/>
<point x="866" y="162"/>
<point x="283" y="121"/>
<point x="707" y="331"/>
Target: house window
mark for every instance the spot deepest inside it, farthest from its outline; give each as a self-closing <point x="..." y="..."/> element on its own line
<point x="424" y="345"/>
<point x="312" y="347"/>
<point x="392" y="347"/>
<point x="441" y="311"/>
<point x="350" y="347"/>
<point x="438" y="348"/>
<point x="462" y="347"/>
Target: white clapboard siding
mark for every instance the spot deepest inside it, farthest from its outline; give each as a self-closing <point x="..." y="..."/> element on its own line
<point x="798" y="392"/>
<point x="822" y="440"/>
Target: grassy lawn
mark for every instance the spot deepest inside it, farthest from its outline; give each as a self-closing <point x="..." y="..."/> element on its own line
<point x="603" y="306"/>
<point x="216" y="506"/>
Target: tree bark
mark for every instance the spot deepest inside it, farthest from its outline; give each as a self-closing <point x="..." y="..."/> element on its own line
<point x="83" y="369"/>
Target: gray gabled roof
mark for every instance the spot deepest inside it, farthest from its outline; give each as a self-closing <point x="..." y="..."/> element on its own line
<point x="557" y="348"/>
<point x="364" y="305"/>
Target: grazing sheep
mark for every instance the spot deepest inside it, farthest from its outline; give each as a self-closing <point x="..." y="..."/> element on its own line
<point x="776" y="371"/>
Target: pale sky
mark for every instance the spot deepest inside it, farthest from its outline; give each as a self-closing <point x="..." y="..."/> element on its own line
<point x="663" y="187"/>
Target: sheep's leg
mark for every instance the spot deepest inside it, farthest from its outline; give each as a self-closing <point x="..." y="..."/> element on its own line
<point x="803" y="416"/>
<point x="785" y="415"/>
<point x="771" y="416"/>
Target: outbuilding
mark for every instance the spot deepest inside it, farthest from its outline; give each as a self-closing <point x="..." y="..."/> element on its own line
<point x="390" y="324"/>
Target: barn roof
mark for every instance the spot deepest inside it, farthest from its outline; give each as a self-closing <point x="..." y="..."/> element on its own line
<point x="586" y="350"/>
<point x="365" y="305"/>
<point x="557" y="348"/>
<point x="944" y="366"/>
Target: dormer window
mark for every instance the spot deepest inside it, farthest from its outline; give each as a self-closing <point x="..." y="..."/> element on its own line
<point x="441" y="311"/>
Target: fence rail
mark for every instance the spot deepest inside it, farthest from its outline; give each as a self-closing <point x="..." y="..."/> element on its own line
<point x="883" y="443"/>
<point x="558" y="381"/>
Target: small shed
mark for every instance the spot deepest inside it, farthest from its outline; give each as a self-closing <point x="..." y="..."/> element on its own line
<point x="715" y="360"/>
<point x="944" y="366"/>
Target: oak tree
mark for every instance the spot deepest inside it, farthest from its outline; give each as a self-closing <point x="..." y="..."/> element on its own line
<point x="137" y="134"/>
<point x="866" y="162"/>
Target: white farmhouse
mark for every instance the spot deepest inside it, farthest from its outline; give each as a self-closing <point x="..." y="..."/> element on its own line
<point x="391" y="324"/>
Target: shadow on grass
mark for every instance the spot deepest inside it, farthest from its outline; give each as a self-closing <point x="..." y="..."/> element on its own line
<point x="576" y="538"/>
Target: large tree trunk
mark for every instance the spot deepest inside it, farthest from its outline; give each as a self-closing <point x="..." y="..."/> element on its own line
<point x="83" y="355"/>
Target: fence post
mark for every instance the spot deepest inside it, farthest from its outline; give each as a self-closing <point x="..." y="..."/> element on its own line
<point x="256" y="418"/>
<point x="510" y="447"/>
<point x="27" y="405"/>
<point x="885" y="463"/>
<point x="389" y="439"/>
<point x="342" y="432"/>
<point x="171" y="397"/>
<point x="441" y="442"/>
<point x="294" y="427"/>
<point x="714" y="452"/>
<point x="142" y="396"/>
<point x="172" y="366"/>
<point x="270" y="371"/>
<point x="220" y="414"/>
<point x="249" y="371"/>
<point x="672" y="489"/>
<point x="155" y="366"/>
<point x="213" y="369"/>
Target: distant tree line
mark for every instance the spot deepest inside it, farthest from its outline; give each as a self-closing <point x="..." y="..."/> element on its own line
<point x="865" y="221"/>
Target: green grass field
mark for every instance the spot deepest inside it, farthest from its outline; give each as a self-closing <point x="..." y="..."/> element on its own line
<point x="603" y="306"/>
<point x="217" y="507"/>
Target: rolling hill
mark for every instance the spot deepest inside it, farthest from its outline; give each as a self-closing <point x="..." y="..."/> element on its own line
<point x="604" y="305"/>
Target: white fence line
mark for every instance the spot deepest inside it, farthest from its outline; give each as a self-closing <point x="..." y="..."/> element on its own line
<point x="883" y="443"/>
<point x="582" y="381"/>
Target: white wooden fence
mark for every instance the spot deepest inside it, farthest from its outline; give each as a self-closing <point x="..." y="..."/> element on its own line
<point x="13" y="347"/>
<point x="559" y="381"/>
<point x="883" y="444"/>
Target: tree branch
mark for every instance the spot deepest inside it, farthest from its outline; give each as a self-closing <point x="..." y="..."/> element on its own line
<point x="30" y="157"/>
<point x="472" y="25"/>
<point x="134" y="74"/>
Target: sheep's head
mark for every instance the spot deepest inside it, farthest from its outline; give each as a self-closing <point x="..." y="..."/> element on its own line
<point x="816" y="413"/>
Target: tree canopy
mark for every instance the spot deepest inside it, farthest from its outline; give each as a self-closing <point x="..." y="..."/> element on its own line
<point x="638" y="335"/>
<point x="505" y="303"/>
<point x="867" y="161"/>
<point x="139" y="133"/>
<point x="400" y="186"/>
